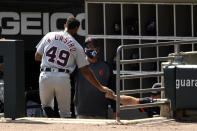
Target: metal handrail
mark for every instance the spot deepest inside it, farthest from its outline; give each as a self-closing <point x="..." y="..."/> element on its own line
<point x="156" y="44"/>
<point x="146" y="60"/>
<point x="118" y="62"/>
<point x="141" y="75"/>
<point x="129" y="92"/>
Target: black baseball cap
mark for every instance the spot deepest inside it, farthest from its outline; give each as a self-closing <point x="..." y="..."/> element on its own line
<point x="94" y="41"/>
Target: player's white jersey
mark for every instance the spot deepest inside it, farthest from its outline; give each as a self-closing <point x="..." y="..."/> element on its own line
<point x="61" y="50"/>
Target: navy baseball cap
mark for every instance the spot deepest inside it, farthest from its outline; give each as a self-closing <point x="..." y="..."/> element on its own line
<point x="156" y="85"/>
<point x="91" y="40"/>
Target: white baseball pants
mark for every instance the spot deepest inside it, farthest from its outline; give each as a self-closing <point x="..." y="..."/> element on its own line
<point x="57" y="84"/>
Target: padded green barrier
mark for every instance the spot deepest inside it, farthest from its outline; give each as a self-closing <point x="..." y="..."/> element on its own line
<point x="14" y="98"/>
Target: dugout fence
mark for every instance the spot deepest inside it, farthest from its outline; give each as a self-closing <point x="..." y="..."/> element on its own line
<point x="171" y="21"/>
<point x="122" y="75"/>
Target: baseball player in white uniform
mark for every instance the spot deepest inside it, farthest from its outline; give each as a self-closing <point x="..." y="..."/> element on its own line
<point x="59" y="53"/>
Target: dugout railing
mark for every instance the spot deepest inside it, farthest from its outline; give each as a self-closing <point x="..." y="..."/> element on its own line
<point x="122" y="75"/>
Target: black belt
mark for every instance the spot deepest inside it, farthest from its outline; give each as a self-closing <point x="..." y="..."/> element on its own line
<point x="54" y="70"/>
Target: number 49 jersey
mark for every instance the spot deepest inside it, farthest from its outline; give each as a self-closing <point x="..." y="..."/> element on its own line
<point x="61" y="50"/>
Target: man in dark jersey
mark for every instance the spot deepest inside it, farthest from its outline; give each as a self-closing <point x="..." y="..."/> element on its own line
<point x="129" y="100"/>
<point x="89" y="101"/>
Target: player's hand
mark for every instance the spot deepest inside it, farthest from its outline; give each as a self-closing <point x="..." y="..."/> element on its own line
<point x="110" y="96"/>
<point x="107" y="90"/>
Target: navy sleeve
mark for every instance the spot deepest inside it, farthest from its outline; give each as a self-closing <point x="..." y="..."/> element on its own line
<point x="146" y="100"/>
<point x="150" y="110"/>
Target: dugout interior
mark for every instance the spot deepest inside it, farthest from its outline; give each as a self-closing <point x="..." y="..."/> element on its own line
<point x="151" y="22"/>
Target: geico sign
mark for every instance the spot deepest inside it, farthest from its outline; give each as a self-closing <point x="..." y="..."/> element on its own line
<point x="34" y="23"/>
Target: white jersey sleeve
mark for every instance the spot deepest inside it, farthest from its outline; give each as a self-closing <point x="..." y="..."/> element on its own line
<point x="40" y="46"/>
<point x="81" y="58"/>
